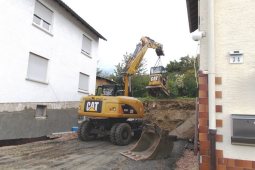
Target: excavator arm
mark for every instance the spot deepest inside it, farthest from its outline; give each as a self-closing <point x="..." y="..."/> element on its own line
<point x="137" y="57"/>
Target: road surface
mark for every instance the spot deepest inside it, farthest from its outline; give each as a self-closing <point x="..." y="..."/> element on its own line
<point x="71" y="153"/>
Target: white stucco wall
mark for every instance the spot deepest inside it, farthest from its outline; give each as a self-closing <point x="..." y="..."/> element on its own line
<point x="203" y="27"/>
<point x="18" y="37"/>
<point x="234" y="30"/>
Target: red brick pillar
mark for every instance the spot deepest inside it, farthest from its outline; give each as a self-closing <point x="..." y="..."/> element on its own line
<point x="203" y="122"/>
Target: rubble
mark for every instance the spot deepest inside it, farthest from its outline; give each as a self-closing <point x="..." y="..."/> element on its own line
<point x="188" y="161"/>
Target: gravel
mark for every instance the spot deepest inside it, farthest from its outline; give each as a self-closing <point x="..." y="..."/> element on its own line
<point x="188" y="161"/>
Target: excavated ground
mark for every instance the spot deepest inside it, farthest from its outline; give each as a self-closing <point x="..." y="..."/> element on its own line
<point x="169" y="114"/>
<point x="69" y="153"/>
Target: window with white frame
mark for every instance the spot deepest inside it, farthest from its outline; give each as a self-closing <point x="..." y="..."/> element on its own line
<point x="84" y="82"/>
<point x="37" y="68"/>
<point x="86" y="45"/>
<point x="42" y="16"/>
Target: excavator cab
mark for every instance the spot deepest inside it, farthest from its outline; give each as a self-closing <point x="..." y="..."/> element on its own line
<point x="158" y="81"/>
<point x="158" y="76"/>
<point x="109" y="90"/>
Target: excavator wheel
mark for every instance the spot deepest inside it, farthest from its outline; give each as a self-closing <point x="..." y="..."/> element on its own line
<point x="84" y="131"/>
<point x="112" y="133"/>
<point x="123" y="134"/>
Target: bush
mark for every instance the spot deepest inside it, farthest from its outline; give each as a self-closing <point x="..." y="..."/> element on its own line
<point x="172" y="85"/>
<point x="182" y="82"/>
<point x="139" y="83"/>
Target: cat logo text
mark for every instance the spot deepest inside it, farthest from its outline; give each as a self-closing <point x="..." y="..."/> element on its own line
<point x="93" y="106"/>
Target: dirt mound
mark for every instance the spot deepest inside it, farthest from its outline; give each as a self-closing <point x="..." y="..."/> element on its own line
<point x="169" y="114"/>
<point x="172" y="104"/>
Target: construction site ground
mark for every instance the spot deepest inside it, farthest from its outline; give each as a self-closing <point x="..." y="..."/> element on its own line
<point x="67" y="152"/>
<point x="70" y="153"/>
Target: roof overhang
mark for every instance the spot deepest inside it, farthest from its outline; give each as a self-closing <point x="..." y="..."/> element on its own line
<point x="68" y="9"/>
<point x="106" y="79"/>
<point x="192" y="8"/>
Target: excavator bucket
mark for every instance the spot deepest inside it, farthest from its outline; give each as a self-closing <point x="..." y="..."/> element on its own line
<point x="159" y="51"/>
<point x="154" y="143"/>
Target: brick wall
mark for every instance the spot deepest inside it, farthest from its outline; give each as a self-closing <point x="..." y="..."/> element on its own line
<point x="203" y="120"/>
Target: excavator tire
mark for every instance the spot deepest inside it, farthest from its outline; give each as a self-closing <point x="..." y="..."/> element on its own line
<point x="123" y="134"/>
<point x="84" y="131"/>
<point x="112" y="133"/>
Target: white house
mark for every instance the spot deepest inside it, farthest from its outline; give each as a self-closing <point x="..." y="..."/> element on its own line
<point x="48" y="62"/>
<point x="226" y="82"/>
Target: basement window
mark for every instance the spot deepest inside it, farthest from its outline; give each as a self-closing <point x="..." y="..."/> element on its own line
<point x="40" y="112"/>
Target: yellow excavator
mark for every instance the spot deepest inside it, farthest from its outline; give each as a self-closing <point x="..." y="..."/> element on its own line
<point x="108" y="114"/>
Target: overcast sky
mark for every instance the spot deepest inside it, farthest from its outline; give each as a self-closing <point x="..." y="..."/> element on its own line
<point x="124" y="22"/>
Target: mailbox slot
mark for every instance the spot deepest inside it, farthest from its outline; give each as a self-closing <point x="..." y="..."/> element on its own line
<point x="243" y="129"/>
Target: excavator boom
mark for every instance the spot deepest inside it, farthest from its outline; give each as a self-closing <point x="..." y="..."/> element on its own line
<point x="154" y="142"/>
<point x="137" y="57"/>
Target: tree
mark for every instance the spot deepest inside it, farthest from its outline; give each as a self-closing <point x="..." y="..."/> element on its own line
<point x="190" y="85"/>
<point x="121" y="67"/>
<point x="186" y="63"/>
<point x="173" y="85"/>
<point x="99" y="72"/>
<point x="139" y="82"/>
<point x="182" y="81"/>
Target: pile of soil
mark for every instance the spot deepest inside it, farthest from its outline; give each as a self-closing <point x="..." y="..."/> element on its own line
<point x="169" y="114"/>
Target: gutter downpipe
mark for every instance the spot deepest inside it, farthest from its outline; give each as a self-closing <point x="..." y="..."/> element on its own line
<point x="211" y="85"/>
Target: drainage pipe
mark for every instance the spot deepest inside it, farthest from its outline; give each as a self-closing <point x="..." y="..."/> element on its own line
<point x="211" y="84"/>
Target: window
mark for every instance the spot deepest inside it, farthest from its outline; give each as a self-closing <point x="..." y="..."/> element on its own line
<point x="37" y="68"/>
<point x="84" y="82"/>
<point x="86" y="45"/>
<point x="40" y="112"/>
<point x="42" y="16"/>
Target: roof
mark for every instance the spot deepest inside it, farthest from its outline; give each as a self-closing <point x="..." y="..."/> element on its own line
<point x="192" y="8"/>
<point x="111" y="81"/>
<point x="68" y="9"/>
